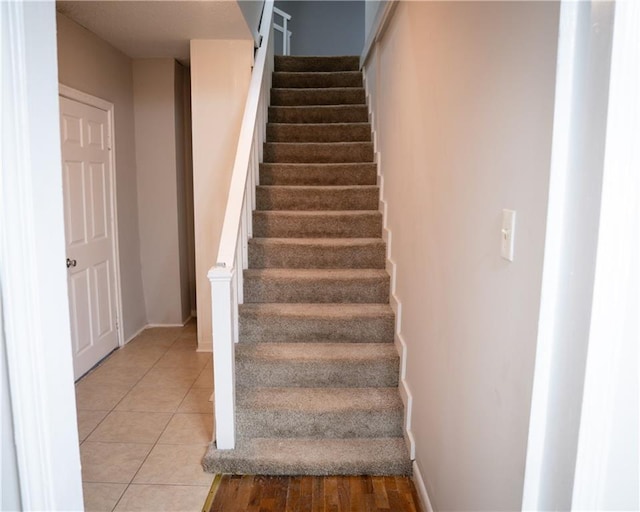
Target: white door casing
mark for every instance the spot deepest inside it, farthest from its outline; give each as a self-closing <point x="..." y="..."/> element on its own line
<point x="90" y="231"/>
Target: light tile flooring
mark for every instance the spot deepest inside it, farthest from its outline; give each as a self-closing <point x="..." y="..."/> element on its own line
<point x="145" y="420"/>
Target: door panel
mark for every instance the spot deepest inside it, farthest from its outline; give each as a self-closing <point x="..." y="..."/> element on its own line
<point x="103" y="312"/>
<point x="87" y="183"/>
<point x="75" y="214"/>
<point x="80" y="296"/>
<point x="98" y="201"/>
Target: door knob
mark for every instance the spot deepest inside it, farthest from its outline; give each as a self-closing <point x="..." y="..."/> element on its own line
<point x="71" y="263"/>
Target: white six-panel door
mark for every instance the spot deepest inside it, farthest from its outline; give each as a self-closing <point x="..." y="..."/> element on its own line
<point x="89" y="231"/>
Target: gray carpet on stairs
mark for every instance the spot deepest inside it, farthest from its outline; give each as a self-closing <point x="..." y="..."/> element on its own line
<point x="316" y="367"/>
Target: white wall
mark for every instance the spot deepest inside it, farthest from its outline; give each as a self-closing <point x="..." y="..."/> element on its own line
<point x="372" y="8"/>
<point x="9" y="480"/>
<point x="463" y="106"/>
<point x="324" y="27"/>
<point x="252" y="12"/>
<point x="220" y="74"/>
<point x="89" y="64"/>
<point x="159" y="125"/>
<point x="35" y="306"/>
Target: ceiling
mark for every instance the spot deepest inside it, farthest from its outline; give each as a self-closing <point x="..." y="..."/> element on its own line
<point x="159" y="28"/>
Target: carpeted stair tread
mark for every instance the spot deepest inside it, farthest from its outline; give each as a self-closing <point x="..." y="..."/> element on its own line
<point x="356" y="197"/>
<point x="317" y="224"/>
<point x="318" y="174"/>
<point x="317" y="253"/>
<point x="291" y="456"/>
<point x="316" y="63"/>
<point x="316" y="285"/>
<point x="290" y="79"/>
<point x="280" y="322"/>
<point x="318" y="96"/>
<point x="322" y="400"/>
<point x="319" y="114"/>
<point x="318" y="132"/>
<point x="318" y="152"/>
<point x="318" y="412"/>
<point x="317" y="364"/>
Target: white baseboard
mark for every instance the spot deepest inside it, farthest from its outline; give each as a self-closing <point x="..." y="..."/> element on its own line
<point x="148" y="326"/>
<point x="135" y="334"/>
<point x="394" y="302"/>
<point x="205" y="347"/>
<point x="418" y="481"/>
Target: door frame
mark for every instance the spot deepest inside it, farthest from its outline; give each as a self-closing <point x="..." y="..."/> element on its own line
<point x="82" y="97"/>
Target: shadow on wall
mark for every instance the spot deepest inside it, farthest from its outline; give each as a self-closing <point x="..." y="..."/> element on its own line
<point x="323" y="28"/>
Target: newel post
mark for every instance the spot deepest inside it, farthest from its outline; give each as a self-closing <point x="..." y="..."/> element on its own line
<point x="221" y="279"/>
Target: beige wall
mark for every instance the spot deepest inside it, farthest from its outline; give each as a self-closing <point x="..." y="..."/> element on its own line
<point x="159" y="118"/>
<point x="220" y="74"/>
<point x="87" y="63"/>
<point x="463" y="107"/>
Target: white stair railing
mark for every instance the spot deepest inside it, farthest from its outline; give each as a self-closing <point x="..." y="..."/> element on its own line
<point x="286" y="33"/>
<point x="232" y="259"/>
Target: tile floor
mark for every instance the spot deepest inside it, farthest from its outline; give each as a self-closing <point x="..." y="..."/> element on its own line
<point x="145" y="421"/>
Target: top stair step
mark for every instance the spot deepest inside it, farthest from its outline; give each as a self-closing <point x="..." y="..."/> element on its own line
<point x="340" y="63"/>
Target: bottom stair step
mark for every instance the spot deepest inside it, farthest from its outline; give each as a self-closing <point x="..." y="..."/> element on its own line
<point x="282" y="456"/>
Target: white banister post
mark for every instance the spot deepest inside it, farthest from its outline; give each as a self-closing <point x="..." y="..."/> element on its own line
<point x="221" y="279"/>
<point x="285" y="39"/>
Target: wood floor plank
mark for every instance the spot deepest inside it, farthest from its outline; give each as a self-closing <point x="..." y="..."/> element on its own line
<point x="315" y="494"/>
<point x="318" y="494"/>
<point x="256" y="494"/>
<point x="355" y="494"/>
<point x="331" y="494"/>
<point x="380" y="492"/>
<point x="306" y="489"/>
<point x="245" y="488"/>
<point x="343" y="494"/>
<point x="293" y="494"/>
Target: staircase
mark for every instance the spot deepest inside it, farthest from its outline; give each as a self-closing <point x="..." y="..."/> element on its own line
<point x="316" y="367"/>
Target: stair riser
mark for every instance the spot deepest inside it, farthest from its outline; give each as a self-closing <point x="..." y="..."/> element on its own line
<point x="336" y="79"/>
<point x="318" y="153"/>
<point x="284" y="198"/>
<point x="281" y="328"/>
<point x="261" y="290"/>
<point x="348" y="114"/>
<point x="281" y="256"/>
<point x="335" y="96"/>
<point x="309" y="64"/>
<point x="249" y="466"/>
<point x="291" y="174"/>
<point x="290" y="225"/>
<point x="319" y="133"/>
<point x="344" y="374"/>
<point x="347" y="424"/>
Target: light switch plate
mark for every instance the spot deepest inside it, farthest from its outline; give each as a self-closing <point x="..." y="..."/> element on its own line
<point x="508" y="234"/>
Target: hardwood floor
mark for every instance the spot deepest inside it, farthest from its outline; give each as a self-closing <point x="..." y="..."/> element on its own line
<point x="237" y="493"/>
